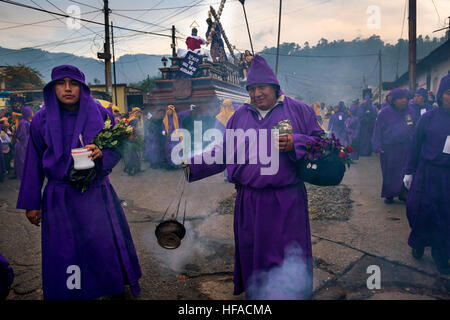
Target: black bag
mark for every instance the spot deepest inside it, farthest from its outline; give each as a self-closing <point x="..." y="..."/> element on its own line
<point x="81" y="179"/>
<point x="327" y="171"/>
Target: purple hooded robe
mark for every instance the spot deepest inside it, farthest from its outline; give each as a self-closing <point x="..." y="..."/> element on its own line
<point x="351" y="135"/>
<point x="21" y="137"/>
<point x="428" y="204"/>
<point x="391" y="138"/>
<point x="86" y="230"/>
<point x="152" y="138"/>
<point x="367" y="115"/>
<point x="337" y="123"/>
<point x="271" y="211"/>
<point x="420" y="110"/>
<point x="2" y="162"/>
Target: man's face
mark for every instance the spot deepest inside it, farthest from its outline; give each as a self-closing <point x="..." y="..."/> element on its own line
<point x="401" y="103"/>
<point x="446" y="99"/>
<point x="263" y="96"/>
<point x="419" y="100"/>
<point x="67" y="91"/>
<point x="169" y="112"/>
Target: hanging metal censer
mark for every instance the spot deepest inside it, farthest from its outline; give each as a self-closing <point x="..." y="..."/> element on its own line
<point x="170" y="232"/>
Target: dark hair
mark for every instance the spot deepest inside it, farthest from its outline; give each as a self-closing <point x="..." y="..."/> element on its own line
<point x="194" y="32"/>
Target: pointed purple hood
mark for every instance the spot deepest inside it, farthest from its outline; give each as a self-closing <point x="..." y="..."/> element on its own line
<point x="260" y="72"/>
<point x="26" y="112"/>
<point x="398" y="93"/>
<point x="443" y="86"/>
<point x="89" y="119"/>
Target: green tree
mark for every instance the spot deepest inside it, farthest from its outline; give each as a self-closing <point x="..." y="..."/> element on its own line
<point x="22" y="77"/>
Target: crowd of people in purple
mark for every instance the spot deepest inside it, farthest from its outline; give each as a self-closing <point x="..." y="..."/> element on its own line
<point x="89" y="229"/>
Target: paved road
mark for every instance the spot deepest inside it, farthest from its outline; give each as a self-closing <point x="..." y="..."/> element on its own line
<point x="202" y="267"/>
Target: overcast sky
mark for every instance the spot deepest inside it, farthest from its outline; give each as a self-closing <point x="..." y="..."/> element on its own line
<point x="302" y="20"/>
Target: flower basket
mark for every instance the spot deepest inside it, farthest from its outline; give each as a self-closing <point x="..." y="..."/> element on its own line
<point x="329" y="170"/>
<point x="324" y="163"/>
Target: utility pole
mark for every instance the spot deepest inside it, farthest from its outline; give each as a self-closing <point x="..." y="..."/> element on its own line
<point x="106" y="54"/>
<point x="114" y="63"/>
<point x="380" y="85"/>
<point x="174" y="54"/>
<point x="278" y="42"/>
<point x="412" y="44"/>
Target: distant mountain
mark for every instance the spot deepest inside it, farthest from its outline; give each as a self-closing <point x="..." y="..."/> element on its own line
<point x="328" y="72"/>
<point x="129" y="68"/>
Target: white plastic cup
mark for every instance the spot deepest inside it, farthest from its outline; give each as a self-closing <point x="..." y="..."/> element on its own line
<point x="81" y="160"/>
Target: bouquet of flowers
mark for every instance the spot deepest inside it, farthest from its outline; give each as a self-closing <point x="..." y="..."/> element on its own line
<point x="325" y="146"/>
<point x="113" y="137"/>
<point x="325" y="161"/>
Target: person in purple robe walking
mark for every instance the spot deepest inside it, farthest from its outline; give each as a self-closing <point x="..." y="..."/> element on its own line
<point x="419" y="103"/>
<point x="392" y="136"/>
<point x="351" y="135"/>
<point x="171" y="123"/>
<point x="153" y="148"/>
<point x="3" y="170"/>
<point x="367" y="115"/>
<point x="21" y="140"/>
<point x="428" y="180"/>
<point x="354" y="107"/>
<point x="271" y="221"/>
<point x="336" y="125"/>
<point x="87" y="249"/>
<point x="132" y="147"/>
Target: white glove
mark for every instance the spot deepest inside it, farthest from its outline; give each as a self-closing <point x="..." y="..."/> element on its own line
<point x="407" y="179"/>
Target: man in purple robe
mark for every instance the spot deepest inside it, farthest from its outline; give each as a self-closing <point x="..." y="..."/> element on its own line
<point x="3" y="170"/>
<point x="351" y="135"/>
<point x="337" y="121"/>
<point x="428" y="178"/>
<point x="87" y="249"/>
<point x="21" y="138"/>
<point x="152" y="150"/>
<point x="271" y="222"/>
<point x="391" y="138"/>
<point x="419" y="103"/>
<point x="354" y="107"/>
<point x="367" y="115"/>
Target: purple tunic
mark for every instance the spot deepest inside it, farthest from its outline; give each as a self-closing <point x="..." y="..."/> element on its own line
<point x="152" y="150"/>
<point x="367" y="115"/>
<point x="428" y="204"/>
<point x="420" y="110"/>
<point x="261" y="236"/>
<point x="169" y="145"/>
<point x="21" y="136"/>
<point x="88" y="230"/>
<point x="2" y="161"/>
<point x="337" y="125"/>
<point x="392" y="135"/>
<point x="351" y="136"/>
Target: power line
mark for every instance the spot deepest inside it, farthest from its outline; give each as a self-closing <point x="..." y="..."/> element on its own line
<point x="172" y="8"/>
<point x="84" y="20"/>
<point x="311" y="56"/>
<point x="435" y="8"/>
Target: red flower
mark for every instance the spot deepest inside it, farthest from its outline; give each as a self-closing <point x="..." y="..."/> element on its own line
<point x="341" y="154"/>
<point x="349" y="149"/>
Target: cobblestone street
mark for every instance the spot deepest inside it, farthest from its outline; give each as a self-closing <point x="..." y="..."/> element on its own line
<point x="201" y="268"/>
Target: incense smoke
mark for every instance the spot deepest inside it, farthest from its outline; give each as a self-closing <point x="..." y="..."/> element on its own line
<point x="288" y="281"/>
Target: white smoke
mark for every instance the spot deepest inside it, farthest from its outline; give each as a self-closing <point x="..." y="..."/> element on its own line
<point x="288" y="281"/>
